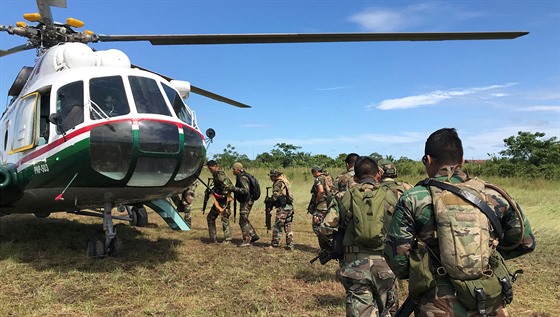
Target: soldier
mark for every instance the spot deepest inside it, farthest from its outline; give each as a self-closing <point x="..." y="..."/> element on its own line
<point x="221" y="206"/>
<point x="322" y="193"/>
<point x="242" y="195"/>
<point x="365" y="274"/>
<point x="282" y="199"/>
<point x="184" y="202"/>
<point x="413" y="235"/>
<point x="346" y="180"/>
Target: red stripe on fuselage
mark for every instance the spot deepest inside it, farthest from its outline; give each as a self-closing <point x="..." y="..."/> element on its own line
<point x="86" y="129"/>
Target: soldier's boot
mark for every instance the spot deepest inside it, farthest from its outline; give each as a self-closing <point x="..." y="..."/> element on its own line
<point x="254" y="238"/>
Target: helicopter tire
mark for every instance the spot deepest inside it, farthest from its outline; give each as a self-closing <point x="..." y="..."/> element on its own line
<point x="91" y="249"/>
<point x="116" y="247"/>
<point x="139" y="216"/>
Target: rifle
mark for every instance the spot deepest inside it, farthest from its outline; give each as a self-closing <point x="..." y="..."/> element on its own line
<point x="207" y="192"/>
<point x="407" y="308"/>
<point x="234" y="209"/>
<point x="268" y="204"/>
<point x="336" y="251"/>
<point x="311" y="206"/>
<point x="324" y="256"/>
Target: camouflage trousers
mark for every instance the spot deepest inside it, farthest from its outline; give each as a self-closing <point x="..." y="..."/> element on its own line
<point x="188" y="218"/>
<point x="211" y="219"/>
<point x="325" y="240"/>
<point x="247" y="229"/>
<point x="368" y="283"/>
<point x="441" y="301"/>
<point x="281" y="224"/>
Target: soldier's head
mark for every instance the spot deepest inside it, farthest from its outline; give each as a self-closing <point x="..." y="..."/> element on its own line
<point x="389" y="168"/>
<point x="237" y="168"/>
<point x="443" y="148"/>
<point x="366" y="167"/>
<point x="212" y="166"/>
<point x="316" y="171"/>
<point x="351" y="160"/>
<point x="274" y="174"/>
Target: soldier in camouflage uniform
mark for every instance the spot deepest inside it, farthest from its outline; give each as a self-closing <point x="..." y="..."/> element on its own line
<point x="184" y="202"/>
<point x="414" y="221"/>
<point x="241" y="190"/>
<point x="282" y="199"/>
<point x="366" y="276"/>
<point x="221" y="206"/>
<point x="346" y="180"/>
<point x="321" y="196"/>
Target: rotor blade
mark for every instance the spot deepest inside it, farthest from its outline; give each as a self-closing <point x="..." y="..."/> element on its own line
<point x="200" y="91"/>
<point x="172" y="39"/>
<point x="15" y="49"/>
<point x="211" y="95"/>
<point x="44" y="7"/>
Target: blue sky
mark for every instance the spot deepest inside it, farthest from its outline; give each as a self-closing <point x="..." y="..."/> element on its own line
<point x="331" y="98"/>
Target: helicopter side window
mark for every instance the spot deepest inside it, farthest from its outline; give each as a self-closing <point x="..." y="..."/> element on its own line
<point x="70" y="105"/>
<point x="108" y="98"/>
<point x="178" y="106"/>
<point x="24" y="125"/>
<point x="147" y="96"/>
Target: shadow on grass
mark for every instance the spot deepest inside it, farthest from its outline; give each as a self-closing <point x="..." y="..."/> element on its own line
<point x="60" y="244"/>
<point x="312" y="275"/>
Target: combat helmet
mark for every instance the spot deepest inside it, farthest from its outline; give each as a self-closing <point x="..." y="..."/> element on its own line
<point x="389" y="168"/>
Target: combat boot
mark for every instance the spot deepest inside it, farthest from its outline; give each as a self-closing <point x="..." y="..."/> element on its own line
<point x="255" y="238"/>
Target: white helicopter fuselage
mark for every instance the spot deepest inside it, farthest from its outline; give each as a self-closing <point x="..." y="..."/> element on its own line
<point x="88" y="129"/>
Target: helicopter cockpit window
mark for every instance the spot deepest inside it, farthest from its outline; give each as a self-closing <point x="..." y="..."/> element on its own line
<point x="24" y="125"/>
<point x="108" y="98"/>
<point x="147" y="96"/>
<point x="178" y="106"/>
<point x="70" y="105"/>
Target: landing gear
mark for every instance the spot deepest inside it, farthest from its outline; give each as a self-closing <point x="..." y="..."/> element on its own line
<point x="108" y="245"/>
<point x="138" y="214"/>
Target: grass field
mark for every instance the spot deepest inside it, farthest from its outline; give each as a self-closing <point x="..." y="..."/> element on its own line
<point x="44" y="271"/>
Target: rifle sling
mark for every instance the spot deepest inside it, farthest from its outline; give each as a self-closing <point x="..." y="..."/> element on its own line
<point x="477" y="202"/>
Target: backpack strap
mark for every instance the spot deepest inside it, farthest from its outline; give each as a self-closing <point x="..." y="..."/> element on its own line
<point x="486" y="210"/>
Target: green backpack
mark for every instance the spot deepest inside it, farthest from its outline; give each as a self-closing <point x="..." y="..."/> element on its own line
<point x="368" y="211"/>
<point x="468" y="254"/>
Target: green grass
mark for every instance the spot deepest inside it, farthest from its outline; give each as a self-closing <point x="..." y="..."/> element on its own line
<point x="44" y="271"/>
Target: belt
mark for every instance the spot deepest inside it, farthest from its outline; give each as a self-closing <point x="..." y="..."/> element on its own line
<point x="353" y="253"/>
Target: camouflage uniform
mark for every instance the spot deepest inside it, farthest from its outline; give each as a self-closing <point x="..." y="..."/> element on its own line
<point x="344" y="181"/>
<point x="284" y="214"/>
<point x="184" y="203"/>
<point x="414" y="219"/>
<point x="242" y="195"/>
<point x="221" y="185"/>
<point x="366" y="276"/>
<point x="320" y="208"/>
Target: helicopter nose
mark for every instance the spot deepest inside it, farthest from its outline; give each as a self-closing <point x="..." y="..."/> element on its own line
<point x="146" y="154"/>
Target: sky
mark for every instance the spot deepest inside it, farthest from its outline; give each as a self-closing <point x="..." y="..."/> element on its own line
<point x="332" y="98"/>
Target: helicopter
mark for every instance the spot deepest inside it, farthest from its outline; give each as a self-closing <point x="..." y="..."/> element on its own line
<point x="87" y="130"/>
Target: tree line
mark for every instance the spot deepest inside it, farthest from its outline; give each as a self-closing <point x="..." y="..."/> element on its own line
<point x="525" y="155"/>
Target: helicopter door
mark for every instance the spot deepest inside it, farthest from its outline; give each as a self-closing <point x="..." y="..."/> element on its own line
<point x="24" y="124"/>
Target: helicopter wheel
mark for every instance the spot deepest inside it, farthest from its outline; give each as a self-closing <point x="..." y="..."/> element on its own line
<point x="90" y="249"/>
<point x="116" y="247"/>
<point x="42" y="214"/>
<point x="139" y="216"/>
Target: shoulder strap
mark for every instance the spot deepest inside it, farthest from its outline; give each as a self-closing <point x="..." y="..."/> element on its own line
<point x="486" y="210"/>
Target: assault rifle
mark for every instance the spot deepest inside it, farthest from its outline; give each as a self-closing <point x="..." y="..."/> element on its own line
<point x="207" y="192"/>
<point x="336" y="251"/>
<point x="407" y="308"/>
<point x="268" y="205"/>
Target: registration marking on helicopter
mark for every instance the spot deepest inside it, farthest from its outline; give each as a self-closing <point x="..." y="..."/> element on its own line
<point x="41" y="168"/>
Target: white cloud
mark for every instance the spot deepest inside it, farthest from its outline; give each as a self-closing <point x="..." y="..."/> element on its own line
<point x="540" y="108"/>
<point x="382" y="19"/>
<point x="435" y="97"/>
